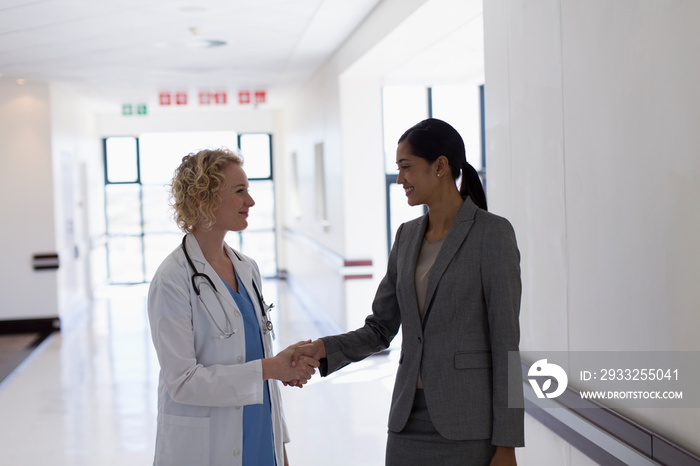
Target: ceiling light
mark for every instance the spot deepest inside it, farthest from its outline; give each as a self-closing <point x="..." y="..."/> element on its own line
<point x="193" y="43"/>
<point x="204" y="43"/>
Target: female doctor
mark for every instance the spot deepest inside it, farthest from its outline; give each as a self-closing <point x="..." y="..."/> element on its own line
<point x="210" y="328"/>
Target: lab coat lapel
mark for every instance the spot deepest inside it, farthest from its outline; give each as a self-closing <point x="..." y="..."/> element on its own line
<point x="203" y="266"/>
<point x="245" y="274"/>
<point x="454" y="239"/>
<point x="250" y="280"/>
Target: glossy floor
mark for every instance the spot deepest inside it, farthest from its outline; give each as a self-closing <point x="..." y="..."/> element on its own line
<point x="87" y="396"/>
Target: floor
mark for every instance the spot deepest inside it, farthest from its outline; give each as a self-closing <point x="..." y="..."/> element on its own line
<point x="87" y="395"/>
<point x="14" y="348"/>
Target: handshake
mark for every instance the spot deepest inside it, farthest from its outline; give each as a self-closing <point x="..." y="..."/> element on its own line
<point x="295" y="365"/>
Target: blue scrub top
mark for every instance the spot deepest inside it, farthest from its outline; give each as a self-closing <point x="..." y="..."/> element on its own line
<point x="258" y="442"/>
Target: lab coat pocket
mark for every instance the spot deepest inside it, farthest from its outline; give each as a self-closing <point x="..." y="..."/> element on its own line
<point x="182" y="440"/>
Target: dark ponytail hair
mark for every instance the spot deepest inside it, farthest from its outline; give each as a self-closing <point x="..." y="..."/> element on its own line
<point x="432" y="138"/>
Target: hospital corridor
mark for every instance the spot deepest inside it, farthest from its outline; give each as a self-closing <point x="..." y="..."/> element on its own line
<point x="88" y="394"/>
<point x="512" y="184"/>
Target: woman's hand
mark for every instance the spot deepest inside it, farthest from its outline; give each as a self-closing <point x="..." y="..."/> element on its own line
<point x="504" y="456"/>
<point x="315" y="350"/>
<point x="280" y="366"/>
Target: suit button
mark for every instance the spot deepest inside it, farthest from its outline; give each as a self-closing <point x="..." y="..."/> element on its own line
<point x="240" y="359"/>
<point x="236" y="452"/>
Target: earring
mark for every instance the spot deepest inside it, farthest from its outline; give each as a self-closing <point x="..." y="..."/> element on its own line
<point x="438" y="174"/>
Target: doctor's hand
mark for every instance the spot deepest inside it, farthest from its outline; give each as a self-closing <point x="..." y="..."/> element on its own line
<point x="280" y="366"/>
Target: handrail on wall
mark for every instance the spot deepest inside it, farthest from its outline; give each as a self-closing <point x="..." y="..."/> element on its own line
<point x="641" y="441"/>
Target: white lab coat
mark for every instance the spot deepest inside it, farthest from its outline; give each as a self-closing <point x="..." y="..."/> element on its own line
<point x="204" y="379"/>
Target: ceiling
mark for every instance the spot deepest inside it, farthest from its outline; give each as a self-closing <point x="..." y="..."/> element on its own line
<point x="130" y="50"/>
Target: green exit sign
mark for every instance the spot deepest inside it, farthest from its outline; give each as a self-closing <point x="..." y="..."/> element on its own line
<point x="131" y="109"/>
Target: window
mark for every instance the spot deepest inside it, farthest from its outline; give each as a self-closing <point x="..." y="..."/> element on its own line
<point x="404" y="106"/>
<point x="121" y="160"/>
<point x="123" y="212"/>
<point x="259" y="239"/>
<point x="140" y="230"/>
<point x="257" y="152"/>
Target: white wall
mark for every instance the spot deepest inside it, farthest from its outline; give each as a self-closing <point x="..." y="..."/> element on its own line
<point x="400" y="42"/>
<point x="364" y="198"/>
<point x="187" y="119"/>
<point x="27" y="203"/>
<point x="592" y="112"/>
<point x="342" y="111"/>
<point x="77" y="197"/>
<point x="49" y="155"/>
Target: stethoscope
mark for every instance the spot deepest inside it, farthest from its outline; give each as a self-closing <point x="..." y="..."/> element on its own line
<point x="265" y="321"/>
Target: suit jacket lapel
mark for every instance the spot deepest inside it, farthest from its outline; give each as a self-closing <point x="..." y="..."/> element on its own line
<point x="414" y="242"/>
<point x="454" y="239"/>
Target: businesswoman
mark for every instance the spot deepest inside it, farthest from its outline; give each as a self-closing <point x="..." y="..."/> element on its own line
<point x="217" y="404"/>
<point x="453" y="285"/>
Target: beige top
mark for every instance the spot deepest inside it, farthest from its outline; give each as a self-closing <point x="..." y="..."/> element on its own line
<point x="426" y="258"/>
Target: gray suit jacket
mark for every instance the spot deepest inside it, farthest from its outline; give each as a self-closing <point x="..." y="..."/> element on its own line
<point x="469" y="325"/>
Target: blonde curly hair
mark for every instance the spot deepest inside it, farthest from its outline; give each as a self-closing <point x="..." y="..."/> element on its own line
<point x="195" y="187"/>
